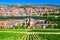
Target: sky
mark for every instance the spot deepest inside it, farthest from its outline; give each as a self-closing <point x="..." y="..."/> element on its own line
<point x="55" y="2"/>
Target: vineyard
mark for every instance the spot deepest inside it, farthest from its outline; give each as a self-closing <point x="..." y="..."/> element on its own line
<point x="29" y="34"/>
<point x="15" y="36"/>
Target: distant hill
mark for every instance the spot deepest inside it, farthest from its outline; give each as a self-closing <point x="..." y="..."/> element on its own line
<point x="30" y="5"/>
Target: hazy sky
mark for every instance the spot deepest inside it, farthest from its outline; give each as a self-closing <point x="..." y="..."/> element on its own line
<point x="30" y="2"/>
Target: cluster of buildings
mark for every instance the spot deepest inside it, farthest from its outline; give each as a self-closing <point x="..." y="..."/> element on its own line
<point x="27" y="23"/>
<point x="31" y="23"/>
<point x="17" y="11"/>
<point x="9" y="23"/>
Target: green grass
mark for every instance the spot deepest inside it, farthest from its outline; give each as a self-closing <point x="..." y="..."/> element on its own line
<point x="32" y="30"/>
